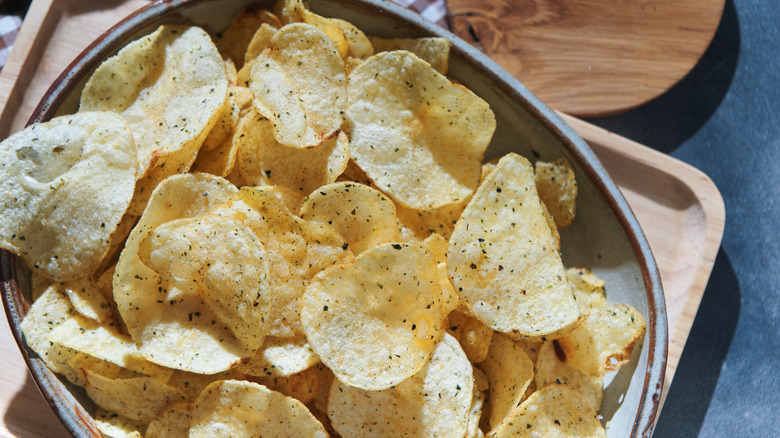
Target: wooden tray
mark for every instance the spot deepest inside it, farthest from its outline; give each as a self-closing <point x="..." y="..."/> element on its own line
<point x="679" y="208"/>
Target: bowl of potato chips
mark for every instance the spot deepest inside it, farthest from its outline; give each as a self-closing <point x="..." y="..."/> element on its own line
<point x="237" y="218"/>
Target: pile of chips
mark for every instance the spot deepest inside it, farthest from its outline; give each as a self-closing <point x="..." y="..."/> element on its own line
<point x="287" y="230"/>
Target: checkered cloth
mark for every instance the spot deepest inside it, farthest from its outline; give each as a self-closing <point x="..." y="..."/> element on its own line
<point x="9" y="28"/>
<point x="433" y="10"/>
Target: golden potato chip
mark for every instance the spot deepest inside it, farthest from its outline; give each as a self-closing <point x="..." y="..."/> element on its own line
<point x="440" y="220"/>
<point x="87" y="298"/>
<point x="219" y="260"/>
<point x="171" y="327"/>
<point x="375" y="321"/>
<point x="171" y="87"/>
<point x="260" y="41"/>
<point x="472" y="334"/>
<point x="117" y="426"/>
<point x="501" y="259"/>
<point x="231" y="408"/>
<point x="261" y="160"/>
<point x="437" y="245"/>
<point x="450" y="298"/>
<point x="296" y="251"/>
<point x="553" y="411"/>
<point x="236" y="39"/>
<point x="358" y="44"/>
<point x="558" y="189"/>
<point x="47" y="313"/>
<point x="433" y="50"/>
<point x="300" y="85"/>
<point x="588" y="288"/>
<point x="363" y="215"/>
<point x="302" y="386"/>
<point x="137" y="398"/>
<point x="281" y="357"/>
<point x="418" y="136"/>
<point x="475" y="414"/>
<point x="82" y="362"/>
<point x="172" y="422"/>
<point x="296" y="11"/>
<point x="192" y="384"/>
<point x="551" y="369"/>
<point x="66" y="184"/>
<point x="604" y="341"/>
<point x="509" y="372"/>
<point x="434" y="402"/>
<point x="104" y="343"/>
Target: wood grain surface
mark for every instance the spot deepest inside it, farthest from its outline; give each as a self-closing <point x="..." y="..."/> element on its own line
<point x="678" y="207"/>
<point x="591" y="57"/>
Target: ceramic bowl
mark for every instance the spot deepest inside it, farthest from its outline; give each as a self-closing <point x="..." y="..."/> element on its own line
<point x="605" y="236"/>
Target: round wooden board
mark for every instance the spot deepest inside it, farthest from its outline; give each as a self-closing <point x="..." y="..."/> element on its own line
<point x="591" y="57"/>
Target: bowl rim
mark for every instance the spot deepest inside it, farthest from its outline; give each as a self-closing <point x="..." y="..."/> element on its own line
<point x="74" y="416"/>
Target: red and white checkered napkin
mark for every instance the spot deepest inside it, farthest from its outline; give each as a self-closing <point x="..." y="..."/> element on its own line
<point x="433" y="10"/>
<point x="9" y="27"/>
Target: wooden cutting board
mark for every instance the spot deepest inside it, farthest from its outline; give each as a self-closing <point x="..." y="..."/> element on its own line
<point x="678" y="207"/>
<point x="591" y="57"/>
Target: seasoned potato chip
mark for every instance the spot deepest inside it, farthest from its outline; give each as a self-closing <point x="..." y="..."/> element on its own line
<point x="231" y="408"/>
<point x="433" y="50"/>
<point x="219" y="260"/>
<point x="192" y="384"/>
<point x="171" y="87"/>
<point x="262" y="160"/>
<point x="558" y="189"/>
<point x="234" y="42"/>
<point x="302" y="386"/>
<point x="296" y="251"/>
<point x="116" y="426"/>
<point x="363" y="215"/>
<point x="300" y="85"/>
<point x="509" y="372"/>
<point x="281" y="357"/>
<point x="551" y="369"/>
<point x="47" y="313"/>
<point x="450" y="298"/>
<point x="440" y="220"/>
<point x="434" y="402"/>
<point x="82" y="362"/>
<point x="475" y="414"/>
<point x="172" y="422"/>
<point x="260" y="41"/>
<point x="604" y="341"/>
<point x="375" y="321"/>
<point x="65" y="185"/>
<point x="171" y="327"/>
<point x="137" y="398"/>
<point x="474" y="336"/>
<point x="296" y="11"/>
<point x="553" y="411"/>
<point x="87" y="298"/>
<point x="501" y="259"/>
<point x="437" y="245"/>
<point x="418" y="136"/>
<point x="588" y="288"/>
<point x="358" y="44"/>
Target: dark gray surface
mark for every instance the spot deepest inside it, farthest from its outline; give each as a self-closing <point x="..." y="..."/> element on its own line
<point x="724" y="118"/>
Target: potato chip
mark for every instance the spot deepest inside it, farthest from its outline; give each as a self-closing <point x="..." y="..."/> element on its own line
<point x="296" y="11"/>
<point x="137" y="398"/>
<point x="116" y="426"/>
<point x="475" y="414"/>
<point x="296" y="251"/>
<point x="104" y="343"/>
<point x="604" y="341"/>
<point x="260" y="41"/>
<point x="509" y="372"/>
<point x="87" y="299"/>
<point x="418" y="136"/>
<point x="450" y="298"/>
<point x="192" y="384"/>
<point x="550" y="368"/>
<point x="82" y="362"/>
<point x="553" y="411"/>
<point x="434" y="402"/>
<point x="363" y="215"/>
<point x="358" y="44"/>
<point x="588" y="288"/>
<point x="219" y="260"/>
<point x="66" y="184"/>
<point x="501" y="259"/>
<point x="438" y="246"/>
<point x="170" y="327"/>
<point x="558" y="189"/>
<point x="319" y="404"/>
<point x="172" y="422"/>
<point x="433" y="50"/>
<point x="375" y="321"/>
<point x="261" y="160"/>
<point x="47" y="313"/>
<point x="231" y="408"/>
<point x="302" y="386"/>
<point x="281" y="357"/>
<point x="472" y="334"/>
<point x="236" y="39"/>
<point x="300" y="85"/>
<point x="440" y="220"/>
<point x="171" y="87"/>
